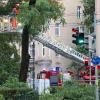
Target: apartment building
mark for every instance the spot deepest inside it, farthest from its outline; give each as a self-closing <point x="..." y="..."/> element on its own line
<point x="45" y="58"/>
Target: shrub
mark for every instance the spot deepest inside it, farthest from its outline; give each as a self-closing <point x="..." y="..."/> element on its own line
<point x="15" y="90"/>
<point x="1" y="97"/>
<point x="71" y="90"/>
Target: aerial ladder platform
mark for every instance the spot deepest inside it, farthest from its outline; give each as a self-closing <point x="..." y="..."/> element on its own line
<point x="60" y="48"/>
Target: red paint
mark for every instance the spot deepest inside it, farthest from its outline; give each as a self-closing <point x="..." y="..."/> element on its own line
<point x="14" y="22"/>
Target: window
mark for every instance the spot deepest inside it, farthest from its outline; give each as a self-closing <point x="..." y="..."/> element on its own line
<point x="57" y="29"/>
<point x="78" y="11"/>
<point x="43" y="50"/>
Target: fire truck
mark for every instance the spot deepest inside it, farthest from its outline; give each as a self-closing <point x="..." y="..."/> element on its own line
<point x="54" y="76"/>
<point x="85" y="74"/>
<point x="48" y="79"/>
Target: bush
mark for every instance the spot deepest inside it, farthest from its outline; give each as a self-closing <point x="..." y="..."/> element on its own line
<point x="1" y="97"/>
<point x="71" y="90"/>
<point x="14" y="90"/>
<point x="18" y="94"/>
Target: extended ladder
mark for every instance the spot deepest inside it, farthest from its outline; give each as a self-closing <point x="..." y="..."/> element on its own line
<point x="60" y="48"/>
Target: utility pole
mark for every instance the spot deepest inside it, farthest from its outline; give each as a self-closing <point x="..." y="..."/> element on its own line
<point x="90" y="50"/>
<point x="97" y="32"/>
<point x="33" y="65"/>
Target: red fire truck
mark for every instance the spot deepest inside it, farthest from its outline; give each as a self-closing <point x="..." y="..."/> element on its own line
<point x="85" y="74"/>
<point x="54" y="76"/>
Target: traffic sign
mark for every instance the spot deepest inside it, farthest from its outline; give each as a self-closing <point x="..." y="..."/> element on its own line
<point x="95" y="60"/>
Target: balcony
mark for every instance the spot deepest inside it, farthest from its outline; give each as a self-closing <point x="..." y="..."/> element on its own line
<point x="10" y="24"/>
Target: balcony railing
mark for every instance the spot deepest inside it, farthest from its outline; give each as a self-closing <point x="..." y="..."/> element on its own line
<point x="9" y="24"/>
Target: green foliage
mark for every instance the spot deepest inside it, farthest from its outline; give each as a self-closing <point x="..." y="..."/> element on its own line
<point x="40" y="16"/>
<point x="15" y="90"/>
<point x="10" y="37"/>
<point x="82" y="50"/>
<point x="80" y="92"/>
<point x="1" y="97"/>
<point x="8" y="66"/>
<point x="14" y="83"/>
<point x="72" y="90"/>
<point x="89" y="9"/>
<point x="8" y="8"/>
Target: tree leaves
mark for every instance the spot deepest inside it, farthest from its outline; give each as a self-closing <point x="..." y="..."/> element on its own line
<point x="8" y="66"/>
<point x="89" y="8"/>
<point x="40" y="16"/>
<point x="8" y="8"/>
<point x="71" y="90"/>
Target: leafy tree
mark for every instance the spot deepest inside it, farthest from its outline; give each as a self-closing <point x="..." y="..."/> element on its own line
<point x="35" y="19"/>
<point x="8" y="66"/>
<point x="6" y="10"/>
<point x="89" y="9"/>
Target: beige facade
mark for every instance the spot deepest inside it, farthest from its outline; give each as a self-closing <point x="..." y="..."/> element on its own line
<point x="97" y="26"/>
<point x="45" y="57"/>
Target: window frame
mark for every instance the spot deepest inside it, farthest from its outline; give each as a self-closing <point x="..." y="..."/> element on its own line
<point x="57" y="29"/>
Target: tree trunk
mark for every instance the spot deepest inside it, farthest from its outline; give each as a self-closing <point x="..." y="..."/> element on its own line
<point x="25" y="55"/>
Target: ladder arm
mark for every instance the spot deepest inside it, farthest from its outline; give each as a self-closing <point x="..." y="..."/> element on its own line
<point x="60" y="48"/>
